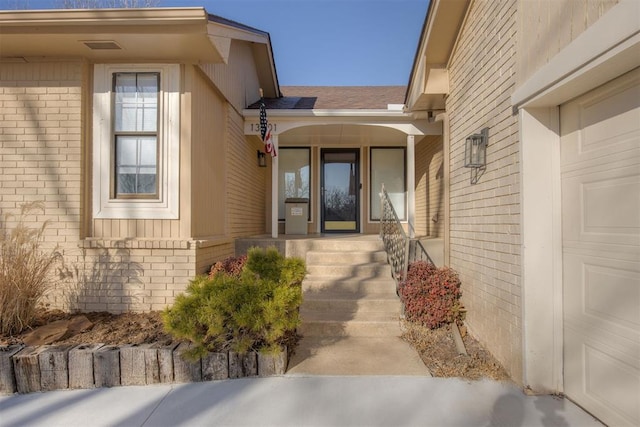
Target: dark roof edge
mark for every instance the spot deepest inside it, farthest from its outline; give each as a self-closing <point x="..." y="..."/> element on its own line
<point x="229" y="22"/>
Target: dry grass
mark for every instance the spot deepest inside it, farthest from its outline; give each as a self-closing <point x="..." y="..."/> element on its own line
<point x="24" y="268"/>
<point x="438" y="351"/>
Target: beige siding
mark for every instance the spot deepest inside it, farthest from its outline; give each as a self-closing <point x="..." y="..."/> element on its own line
<point x="208" y="165"/>
<point x="485" y="218"/>
<point x="429" y="188"/>
<point x="546" y="27"/>
<point x="246" y="182"/>
<point x="136" y="228"/>
<point x="237" y="80"/>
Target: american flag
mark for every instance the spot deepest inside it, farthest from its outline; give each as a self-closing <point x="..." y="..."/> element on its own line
<point x="265" y="132"/>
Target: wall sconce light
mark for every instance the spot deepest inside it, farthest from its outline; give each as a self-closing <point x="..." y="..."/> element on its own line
<point x="475" y="154"/>
<point x="262" y="159"/>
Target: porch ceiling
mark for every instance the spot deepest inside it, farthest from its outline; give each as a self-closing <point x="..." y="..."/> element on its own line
<point x="342" y="135"/>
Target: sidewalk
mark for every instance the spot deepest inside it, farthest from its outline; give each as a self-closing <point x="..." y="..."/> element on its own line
<point x="297" y="401"/>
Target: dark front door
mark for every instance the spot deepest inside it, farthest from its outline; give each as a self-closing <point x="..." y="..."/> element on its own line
<point x="340" y="190"/>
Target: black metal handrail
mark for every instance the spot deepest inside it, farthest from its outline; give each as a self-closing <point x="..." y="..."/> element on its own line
<point x="395" y="240"/>
<point x="401" y="250"/>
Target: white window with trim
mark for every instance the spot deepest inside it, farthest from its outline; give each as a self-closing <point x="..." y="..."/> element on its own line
<point x="136" y="119"/>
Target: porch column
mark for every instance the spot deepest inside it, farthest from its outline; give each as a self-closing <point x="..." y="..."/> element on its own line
<point x="274" y="188"/>
<point x="411" y="184"/>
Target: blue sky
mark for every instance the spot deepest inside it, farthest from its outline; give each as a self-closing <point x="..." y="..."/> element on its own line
<point x="323" y="42"/>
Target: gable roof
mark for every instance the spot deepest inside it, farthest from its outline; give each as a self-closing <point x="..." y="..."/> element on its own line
<point x="335" y="98"/>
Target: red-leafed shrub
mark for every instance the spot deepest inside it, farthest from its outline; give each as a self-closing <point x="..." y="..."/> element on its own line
<point x="232" y="266"/>
<point x="431" y="295"/>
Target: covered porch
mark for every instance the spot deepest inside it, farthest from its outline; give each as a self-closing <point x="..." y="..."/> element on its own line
<point x="338" y="161"/>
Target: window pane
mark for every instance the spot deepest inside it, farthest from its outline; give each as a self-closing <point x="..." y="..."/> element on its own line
<point x="293" y="178"/>
<point x="136" y="102"/>
<point x="136" y="168"/>
<point x="387" y="167"/>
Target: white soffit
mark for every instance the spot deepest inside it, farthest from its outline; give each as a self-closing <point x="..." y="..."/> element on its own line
<point x="163" y="34"/>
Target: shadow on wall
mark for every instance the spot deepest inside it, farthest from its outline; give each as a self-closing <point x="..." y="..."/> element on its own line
<point x="104" y="278"/>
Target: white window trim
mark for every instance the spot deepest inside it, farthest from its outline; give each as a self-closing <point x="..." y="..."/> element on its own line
<point x="166" y="206"/>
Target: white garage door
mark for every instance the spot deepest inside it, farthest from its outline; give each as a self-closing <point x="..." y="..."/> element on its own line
<point x="600" y="164"/>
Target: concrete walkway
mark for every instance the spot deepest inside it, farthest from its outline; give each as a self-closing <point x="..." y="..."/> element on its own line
<point x="296" y="401"/>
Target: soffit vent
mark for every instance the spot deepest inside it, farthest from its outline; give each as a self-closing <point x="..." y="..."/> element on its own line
<point x="102" y="45"/>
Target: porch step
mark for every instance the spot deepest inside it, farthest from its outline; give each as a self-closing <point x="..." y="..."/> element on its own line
<point x="347" y="323"/>
<point x="370" y="243"/>
<point x="346" y="258"/>
<point x="330" y="301"/>
<point x="354" y="271"/>
<point x="315" y="283"/>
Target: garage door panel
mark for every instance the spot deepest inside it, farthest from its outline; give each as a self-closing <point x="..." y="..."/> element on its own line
<point x="600" y="173"/>
<point x="604" y="383"/>
<point x="604" y="297"/>
<point x="602" y="122"/>
<point x="606" y="204"/>
<point x="602" y="281"/>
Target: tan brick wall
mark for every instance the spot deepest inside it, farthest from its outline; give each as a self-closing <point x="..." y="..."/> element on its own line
<point x="484" y="223"/>
<point x="41" y="149"/>
<point x="40" y="142"/>
<point x="123" y="275"/>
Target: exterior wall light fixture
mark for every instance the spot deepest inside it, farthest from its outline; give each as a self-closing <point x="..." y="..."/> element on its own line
<point x="475" y="154"/>
<point x="262" y="159"/>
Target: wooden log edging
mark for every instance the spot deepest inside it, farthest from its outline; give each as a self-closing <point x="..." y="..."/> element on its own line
<point x="55" y="367"/>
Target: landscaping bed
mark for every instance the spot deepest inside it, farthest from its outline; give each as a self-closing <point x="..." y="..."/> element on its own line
<point x="435" y="346"/>
<point x="109" y="350"/>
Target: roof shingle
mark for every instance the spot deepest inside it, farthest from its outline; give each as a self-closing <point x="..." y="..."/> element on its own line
<point x="336" y="97"/>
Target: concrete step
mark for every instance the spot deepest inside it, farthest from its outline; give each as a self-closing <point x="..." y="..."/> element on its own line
<point x="357" y="271"/>
<point x="370" y="243"/>
<point x="329" y="301"/>
<point x="349" y="258"/>
<point x="344" y="323"/>
<point x="357" y="286"/>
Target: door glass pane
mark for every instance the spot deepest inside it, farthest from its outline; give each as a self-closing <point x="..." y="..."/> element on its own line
<point x="293" y="179"/>
<point x="136" y="102"/>
<point x="341" y="187"/>
<point x="388" y="167"/>
<point x="136" y="168"/>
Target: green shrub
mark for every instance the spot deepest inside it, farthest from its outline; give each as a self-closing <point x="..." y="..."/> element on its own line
<point x="251" y="311"/>
<point x="431" y="295"/>
<point x="24" y="271"/>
